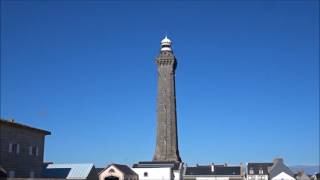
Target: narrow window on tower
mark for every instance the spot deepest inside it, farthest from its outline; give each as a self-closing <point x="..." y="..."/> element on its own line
<point x="260" y="171"/>
<point x="33" y="150"/>
<point x="14" y="148"/>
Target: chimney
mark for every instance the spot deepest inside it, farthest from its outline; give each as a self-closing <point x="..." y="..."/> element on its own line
<point x="277" y="160"/>
<point x="212" y="167"/>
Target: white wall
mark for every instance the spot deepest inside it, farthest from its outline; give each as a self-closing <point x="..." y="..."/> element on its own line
<point x="154" y="173"/>
<point x="106" y="173"/>
<point x="177" y="175"/>
<point x="212" y="178"/>
<point x="283" y="176"/>
<point x="257" y="177"/>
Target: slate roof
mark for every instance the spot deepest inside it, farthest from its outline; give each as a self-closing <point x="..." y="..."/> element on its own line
<point x="98" y="170"/>
<point x="279" y="167"/>
<point x="124" y="169"/>
<point x="258" y="166"/>
<point x="219" y="170"/>
<point x="12" y="123"/>
<point x="68" y="171"/>
<point x="158" y="164"/>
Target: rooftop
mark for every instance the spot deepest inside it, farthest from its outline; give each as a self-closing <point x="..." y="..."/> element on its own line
<point x="123" y="168"/>
<point x="214" y="170"/>
<point x="12" y="123"/>
<point x="255" y="167"/>
<point x="158" y="164"/>
<point x="68" y="171"/>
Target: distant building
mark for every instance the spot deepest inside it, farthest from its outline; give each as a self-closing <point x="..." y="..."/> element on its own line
<point x="21" y="149"/>
<point x="258" y="171"/>
<point x="158" y="170"/>
<point x="302" y="176"/>
<point x="316" y="176"/>
<point x="276" y="170"/>
<point x="70" y="171"/>
<point x="279" y="171"/>
<point x="117" y="172"/>
<point x="213" y="172"/>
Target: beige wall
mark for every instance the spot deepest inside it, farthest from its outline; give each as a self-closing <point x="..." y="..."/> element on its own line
<point x="106" y="172"/>
<point x="117" y="173"/>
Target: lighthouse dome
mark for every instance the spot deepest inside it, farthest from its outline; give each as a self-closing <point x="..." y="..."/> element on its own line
<point x="166" y="40"/>
<point x="166" y="44"/>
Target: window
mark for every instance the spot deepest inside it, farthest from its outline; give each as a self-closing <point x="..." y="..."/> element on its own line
<point x="33" y="150"/>
<point x="260" y="171"/>
<point x="11" y="174"/>
<point x="251" y="171"/>
<point x="145" y="174"/>
<point x="31" y="174"/>
<point x="14" y="148"/>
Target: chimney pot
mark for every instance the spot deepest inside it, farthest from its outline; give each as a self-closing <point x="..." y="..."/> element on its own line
<point x="277" y="160"/>
<point x="212" y="167"/>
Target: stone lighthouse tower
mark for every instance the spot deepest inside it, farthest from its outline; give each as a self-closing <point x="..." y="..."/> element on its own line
<point x="167" y="135"/>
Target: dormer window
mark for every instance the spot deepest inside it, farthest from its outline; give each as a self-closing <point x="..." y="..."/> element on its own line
<point x="260" y="171"/>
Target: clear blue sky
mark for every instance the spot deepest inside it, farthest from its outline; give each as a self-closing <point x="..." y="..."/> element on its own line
<point x="247" y="79"/>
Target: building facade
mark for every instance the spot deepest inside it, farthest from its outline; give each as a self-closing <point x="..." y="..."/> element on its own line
<point x="117" y="172"/>
<point x="21" y="149"/>
<point x="279" y="171"/>
<point x="151" y="170"/>
<point x="258" y="171"/>
<point x="213" y="172"/>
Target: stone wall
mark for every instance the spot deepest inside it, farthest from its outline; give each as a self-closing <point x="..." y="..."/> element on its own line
<point x="23" y="163"/>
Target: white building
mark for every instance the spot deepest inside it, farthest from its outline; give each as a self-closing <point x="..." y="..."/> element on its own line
<point x="154" y="170"/>
<point x="117" y="172"/>
<point x="283" y="176"/>
<point x="160" y="173"/>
